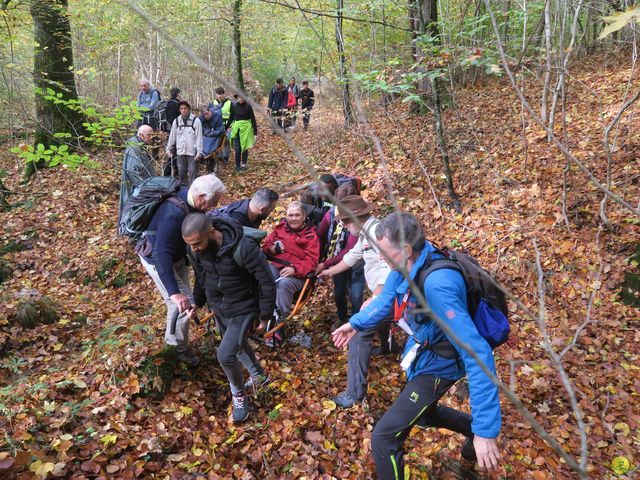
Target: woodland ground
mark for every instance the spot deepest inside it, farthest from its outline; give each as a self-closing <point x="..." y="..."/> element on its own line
<point x="68" y="389"/>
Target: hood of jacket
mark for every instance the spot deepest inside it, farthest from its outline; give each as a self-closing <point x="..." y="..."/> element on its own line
<point x="231" y="234"/>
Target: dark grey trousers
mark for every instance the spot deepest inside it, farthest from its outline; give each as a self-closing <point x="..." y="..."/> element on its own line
<point x="187" y="168"/>
<point x="235" y="350"/>
<point x="359" y="356"/>
<point x="286" y="288"/>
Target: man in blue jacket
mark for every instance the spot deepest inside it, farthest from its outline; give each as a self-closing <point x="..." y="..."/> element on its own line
<point x="212" y="134"/>
<point x="401" y="240"/>
<point x="165" y="262"/>
<point x="277" y="104"/>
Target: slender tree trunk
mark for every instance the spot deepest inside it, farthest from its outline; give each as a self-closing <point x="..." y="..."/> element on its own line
<point x="342" y="73"/>
<point x="237" y="44"/>
<point x="544" y="110"/>
<point x="53" y="69"/>
<point x="442" y="144"/>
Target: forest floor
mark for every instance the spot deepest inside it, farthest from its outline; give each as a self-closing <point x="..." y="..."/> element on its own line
<point x="69" y="392"/>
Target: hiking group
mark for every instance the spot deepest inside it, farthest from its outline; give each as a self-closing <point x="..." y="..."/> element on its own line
<point x="247" y="277"/>
<point x="221" y="124"/>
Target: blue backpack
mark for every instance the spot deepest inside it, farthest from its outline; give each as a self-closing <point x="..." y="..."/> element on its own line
<point x="486" y="302"/>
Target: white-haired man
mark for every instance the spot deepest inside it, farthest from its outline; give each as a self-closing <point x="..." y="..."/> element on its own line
<point x="137" y="164"/>
<point x="165" y="258"/>
<point x="148" y="99"/>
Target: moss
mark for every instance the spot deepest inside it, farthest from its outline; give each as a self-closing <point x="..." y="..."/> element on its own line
<point x="47" y="310"/>
<point x="156" y="373"/>
<point x="630" y="291"/>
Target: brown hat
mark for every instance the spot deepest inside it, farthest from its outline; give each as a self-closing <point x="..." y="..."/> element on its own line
<point x="357" y="205"/>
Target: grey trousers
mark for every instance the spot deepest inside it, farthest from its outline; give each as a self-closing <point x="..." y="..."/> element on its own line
<point x="187" y="169"/>
<point x="286" y="288"/>
<point x="181" y="272"/>
<point x="358" y="359"/>
<point x="234" y="347"/>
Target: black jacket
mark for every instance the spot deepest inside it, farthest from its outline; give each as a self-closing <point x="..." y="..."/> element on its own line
<point x="239" y="211"/>
<point x="172" y="110"/>
<point x="231" y="290"/>
<point x="307" y="98"/>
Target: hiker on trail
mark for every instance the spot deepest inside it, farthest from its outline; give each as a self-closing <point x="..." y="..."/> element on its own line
<point x="307" y="101"/>
<point x="277" y="104"/>
<point x="164" y="259"/>
<point x="172" y="110"/>
<point x="401" y="240"/>
<point x="137" y="164"/>
<point x="224" y="104"/>
<point x="293" y="92"/>
<point x="234" y="278"/>
<point x="148" y="98"/>
<point x="314" y="198"/>
<point x="186" y="144"/>
<point x="335" y="242"/>
<point x="293" y="248"/>
<point x="173" y="106"/>
<point x="376" y="271"/>
<point x="212" y="134"/>
<point x="244" y="131"/>
<point x="251" y="212"/>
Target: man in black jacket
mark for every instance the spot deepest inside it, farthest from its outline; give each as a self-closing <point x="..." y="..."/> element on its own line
<point x="250" y="212"/>
<point x="307" y="100"/>
<point x="234" y="278"/>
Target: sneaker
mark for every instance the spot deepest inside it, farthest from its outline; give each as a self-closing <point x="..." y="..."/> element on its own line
<point x="187" y="356"/>
<point x="255" y="383"/>
<point x="240" y="407"/>
<point x="468" y="451"/>
<point x="243" y="167"/>
<point x="346" y="400"/>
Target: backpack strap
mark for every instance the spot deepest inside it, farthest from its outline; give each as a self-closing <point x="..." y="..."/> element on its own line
<point x="176" y="201"/>
<point x="443" y="348"/>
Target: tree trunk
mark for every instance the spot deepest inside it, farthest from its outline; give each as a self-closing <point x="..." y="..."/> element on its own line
<point x="237" y="44"/>
<point x="342" y="68"/>
<point x="53" y="69"/>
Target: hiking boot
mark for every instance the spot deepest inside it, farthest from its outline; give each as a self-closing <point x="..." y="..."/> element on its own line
<point x="255" y="383"/>
<point x="187" y="356"/>
<point x="468" y="451"/>
<point x="243" y="167"/>
<point x="346" y="400"/>
<point x="240" y="407"/>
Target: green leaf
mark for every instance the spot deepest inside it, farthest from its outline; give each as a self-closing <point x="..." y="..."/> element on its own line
<point x="619" y="20"/>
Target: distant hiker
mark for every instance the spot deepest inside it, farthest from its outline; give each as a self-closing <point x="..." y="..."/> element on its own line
<point x="148" y="98"/>
<point x="277" y="105"/>
<point x="185" y="143"/>
<point x="244" y="131"/>
<point x="173" y="106"/>
<point x="212" y="135"/>
<point x="224" y="104"/>
<point x="252" y="212"/>
<point x="172" y="110"/>
<point x="307" y="100"/>
<point x="137" y="164"/>
<point x="335" y="242"/>
<point x="234" y="278"/>
<point x="293" y="92"/>
<point x="401" y="240"/>
<point x="165" y="253"/>
<point x="294" y="249"/>
<point x="376" y="271"/>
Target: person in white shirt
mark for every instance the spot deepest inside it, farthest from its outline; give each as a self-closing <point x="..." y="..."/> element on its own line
<point x="186" y="143"/>
<point x="376" y="271"/>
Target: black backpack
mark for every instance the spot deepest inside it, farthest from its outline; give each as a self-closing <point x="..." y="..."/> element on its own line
<point x="486" y="302"/>
<point x="143" y="203"/>
<point x="341" y="178"/>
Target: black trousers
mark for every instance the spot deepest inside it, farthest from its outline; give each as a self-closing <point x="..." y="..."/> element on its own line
<point x="417" y="403"/>
<point x="241" y="157"/>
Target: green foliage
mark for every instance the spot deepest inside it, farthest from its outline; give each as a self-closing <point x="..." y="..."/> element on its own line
<point x="51" y="155"/>
<point x="156" y="373"/>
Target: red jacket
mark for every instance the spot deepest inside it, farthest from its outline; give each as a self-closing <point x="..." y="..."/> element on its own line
<point x="301" y="248"/>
